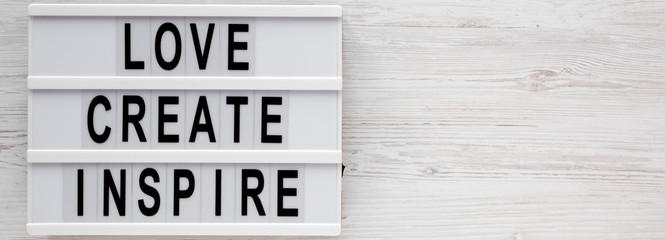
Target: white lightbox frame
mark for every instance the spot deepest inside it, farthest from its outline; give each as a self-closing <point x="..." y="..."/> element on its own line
<point x="192" y="82"/>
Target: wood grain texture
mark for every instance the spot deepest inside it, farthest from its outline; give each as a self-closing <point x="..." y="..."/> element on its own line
<point x="464" y="119"/>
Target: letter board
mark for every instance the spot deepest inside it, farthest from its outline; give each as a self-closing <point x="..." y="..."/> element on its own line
<point x="184" y="120"/>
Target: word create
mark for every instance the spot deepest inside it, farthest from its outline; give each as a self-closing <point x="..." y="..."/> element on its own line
<point x="118" y="192"/>
<point x="202" y="122"/>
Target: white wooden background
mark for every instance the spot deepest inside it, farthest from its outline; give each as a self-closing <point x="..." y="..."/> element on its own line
<point x="464" y="119"/>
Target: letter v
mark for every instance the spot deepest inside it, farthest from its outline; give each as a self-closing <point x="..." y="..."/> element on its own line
<point x="202" y="56"/>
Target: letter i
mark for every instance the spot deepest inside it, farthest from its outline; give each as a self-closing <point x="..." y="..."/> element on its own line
<point x="79" y="192"/>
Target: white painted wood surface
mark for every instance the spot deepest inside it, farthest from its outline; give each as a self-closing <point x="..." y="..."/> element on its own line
<point x="464" y="119"/>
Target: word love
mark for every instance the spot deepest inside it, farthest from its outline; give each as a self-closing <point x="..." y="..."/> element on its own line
<point x="201" y="41"/>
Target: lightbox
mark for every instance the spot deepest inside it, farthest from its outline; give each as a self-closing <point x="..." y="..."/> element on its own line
<point x="184" y="120"/>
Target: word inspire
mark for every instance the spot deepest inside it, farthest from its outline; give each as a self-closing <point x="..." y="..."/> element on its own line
<point x="119" y="192"/>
